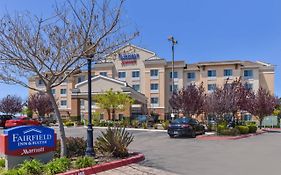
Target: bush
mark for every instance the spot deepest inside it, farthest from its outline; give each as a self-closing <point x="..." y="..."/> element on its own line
<point x="125" y="122"/>
<point x="114" y="141"/>
<point x="84" y="162"/>
<point x="252" y="128"/>
<point x="135" y="124"/>
<point x="12" y="172"/>
<point x="155" y="126"/>
<point x="165" y="124"/>
<point x="2" y="163"/>
<point x="144" y="125"/>
<point x="75" y="147"/>
<point x="58" y="165"/>
<point x="32" y="167"/>
<point x="75" y="118"/>
<point x="69" y="123"/>
<point x="243" y="129"/>
<point x="229" y="132"/>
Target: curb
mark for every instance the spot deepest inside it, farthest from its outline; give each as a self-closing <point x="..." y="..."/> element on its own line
<point x="133" y="129"/>
<point x="228" y="137"/>
<point x="272" y="130"/>
<point x="105" y="166"/>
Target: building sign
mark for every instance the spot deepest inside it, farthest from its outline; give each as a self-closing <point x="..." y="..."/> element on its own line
<point x="129" y="58"/>
<point x="28" y="140"/>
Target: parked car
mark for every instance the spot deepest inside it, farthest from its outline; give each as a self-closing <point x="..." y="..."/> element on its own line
<point x="19" y="121"/>
<point x="4" y="118"/>
<point x="185" y="126"/>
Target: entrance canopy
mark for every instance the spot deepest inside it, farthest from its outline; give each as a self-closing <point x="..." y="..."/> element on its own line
<point x="100" y="84"/>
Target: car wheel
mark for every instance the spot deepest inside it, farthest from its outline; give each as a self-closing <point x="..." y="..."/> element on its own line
<point x="171" y="136"/>
<point x="193" y="134"/>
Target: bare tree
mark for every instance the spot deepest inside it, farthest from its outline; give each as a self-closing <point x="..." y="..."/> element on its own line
<point x="52" y="49"/>
<point x="11" y="105"/>
<point x="40" y="103"/>
<point x="189" y="99"/>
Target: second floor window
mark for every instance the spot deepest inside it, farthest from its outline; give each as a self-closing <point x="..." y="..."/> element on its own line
<point x="121" y="74"/>
<point x="248" y="73"/>
<point x="191" y="75"/>
<point x="63" y="103"/>
<point x="154" y="72"/>
<point x="103" y="74"/>
<point x="175" y="75"/>
<point x="211" y="87"/>
<point x="212" y="73"/>
<point x="53" y="91"/>
<point x="175" y="88"/>
<point x="249" y="86"/>
<point x="154" y="100"/>
<point x="63" y="91"/>
<point x="227" y="72"/>
<point x="154" y="86"/>
<point x="136" y="74"/>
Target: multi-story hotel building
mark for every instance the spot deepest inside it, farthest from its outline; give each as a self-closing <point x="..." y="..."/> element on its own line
<point x="148" y="79"/>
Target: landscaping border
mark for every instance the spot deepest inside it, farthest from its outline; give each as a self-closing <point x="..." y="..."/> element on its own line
<point x="106" y="166"/>
<point x="203" y="137"/>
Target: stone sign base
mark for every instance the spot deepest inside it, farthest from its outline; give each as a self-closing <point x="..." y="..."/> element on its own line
<point x="13" y="161"/>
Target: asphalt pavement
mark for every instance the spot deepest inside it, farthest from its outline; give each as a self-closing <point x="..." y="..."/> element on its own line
<point x="257" y="155"/>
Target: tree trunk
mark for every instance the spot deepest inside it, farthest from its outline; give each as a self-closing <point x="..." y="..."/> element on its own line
<point x="113" y="114"/>
<point x="260" y="123"/>
<point x="61" y="127"/>
<point x="108" y="113"/>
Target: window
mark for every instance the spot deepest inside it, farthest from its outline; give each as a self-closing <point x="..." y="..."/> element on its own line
<point x="82" y="103"/>
<point x="248" y="73"/>
<point x="154" y="72"/>
<point x="136" y="74"/>
<point x="212" y="73"/>
<point x="80" y="79"/>
<point x="191" y="75"/>
<point x="136" y="87"/>
<point x="53" y="91"/>
<point x="40" y="82"/>
<point x="211" y="87"/>
<point x="175" y="75"/>
<point x="63" y="103"/>
<point x="175" y="88"/>
<point x="103" y="74"/>
<point x="63" y="91"/>
<point x="227" y="72"/>
<point x="249" y="86"/>
<point x="154" y="87"/>
<point x="121" y="74"/>
<point x="154" y="100"/>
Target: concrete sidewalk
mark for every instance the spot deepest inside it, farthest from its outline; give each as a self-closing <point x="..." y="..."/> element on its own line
<point x="135" y="169"/>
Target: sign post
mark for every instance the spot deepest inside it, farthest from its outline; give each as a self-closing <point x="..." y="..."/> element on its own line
<point x="27" y="142"/>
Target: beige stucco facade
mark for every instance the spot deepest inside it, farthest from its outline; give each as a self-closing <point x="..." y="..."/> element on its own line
<point x="149" y="75"/>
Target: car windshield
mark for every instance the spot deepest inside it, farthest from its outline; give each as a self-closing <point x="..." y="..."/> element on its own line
<point x="181" y="120"/>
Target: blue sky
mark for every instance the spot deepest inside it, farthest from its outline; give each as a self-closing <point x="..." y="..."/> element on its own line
<point x="207" y="30"/>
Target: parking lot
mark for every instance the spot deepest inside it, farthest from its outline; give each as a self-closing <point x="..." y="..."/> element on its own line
<point x="257" y="155"/>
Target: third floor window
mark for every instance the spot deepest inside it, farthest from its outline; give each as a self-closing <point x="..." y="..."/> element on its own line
<point x="227" y="72"/>
<point x="175" y="75"/>
<point x="121" y="74"/>
<point x="248" y="73"/>
<point x="136" y="74"/>
<point x="191" y="75"/>
<point x="63" y="91"/>
<point x="154" y="86"/>
<point x="154" y="72"/>
<point x="212" y="73"/>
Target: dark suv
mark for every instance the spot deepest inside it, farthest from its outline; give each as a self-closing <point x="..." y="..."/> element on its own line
<point x="4" y="118"/>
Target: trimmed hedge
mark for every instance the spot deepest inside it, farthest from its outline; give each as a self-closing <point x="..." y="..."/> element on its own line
<point x="252" y="128"/>
<point x="243" y="129"/>
<point x="229" y="132"/>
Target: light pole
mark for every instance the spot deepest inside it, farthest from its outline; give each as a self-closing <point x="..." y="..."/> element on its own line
<point x="90" y="141"/>
<point x="174" y="42"/>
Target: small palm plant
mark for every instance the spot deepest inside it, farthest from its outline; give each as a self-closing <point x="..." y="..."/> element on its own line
<point x="114" y="141"/>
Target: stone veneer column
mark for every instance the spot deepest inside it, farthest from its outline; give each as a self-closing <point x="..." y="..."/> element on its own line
<point x="75" y="107"/>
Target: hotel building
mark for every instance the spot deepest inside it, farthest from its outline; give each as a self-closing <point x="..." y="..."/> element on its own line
<point x="148" y="79"/>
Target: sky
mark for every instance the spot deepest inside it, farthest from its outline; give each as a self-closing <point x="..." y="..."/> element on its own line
<point x="206" y="30"/>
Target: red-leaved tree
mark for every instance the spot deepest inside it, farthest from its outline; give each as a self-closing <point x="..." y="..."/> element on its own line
<point x="190" y="99"/>
<point x="262" y="104"/>
<point x="40" y="103"/>
<point x="11" y="104"/>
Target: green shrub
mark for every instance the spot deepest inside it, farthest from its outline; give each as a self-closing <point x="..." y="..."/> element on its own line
<point x="31" y="167"/>
<point x="165" y="124"/>
<point x="135" y="124"/>
<point x="84" y="162"/>
<point x="58" y="165"/>
<point x="144" y="125"/>
<point x="243" y="129"/>
<point x="75" y="118"/>
<point x="69" y="123"/>
<point x="114" y="141"/>
<point x="12" y="172"/>
<point x="75" y="147"/>
<point x="110" y="123"/>
<point x="155" y="126"/>
<point x="103" y="123"/>
<point x="2" y="162"/>
<point x="250" y="123"/>
<point x="229" y="132"/>
<point x="252" y="128"/>
<point x="125" y="122"/>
